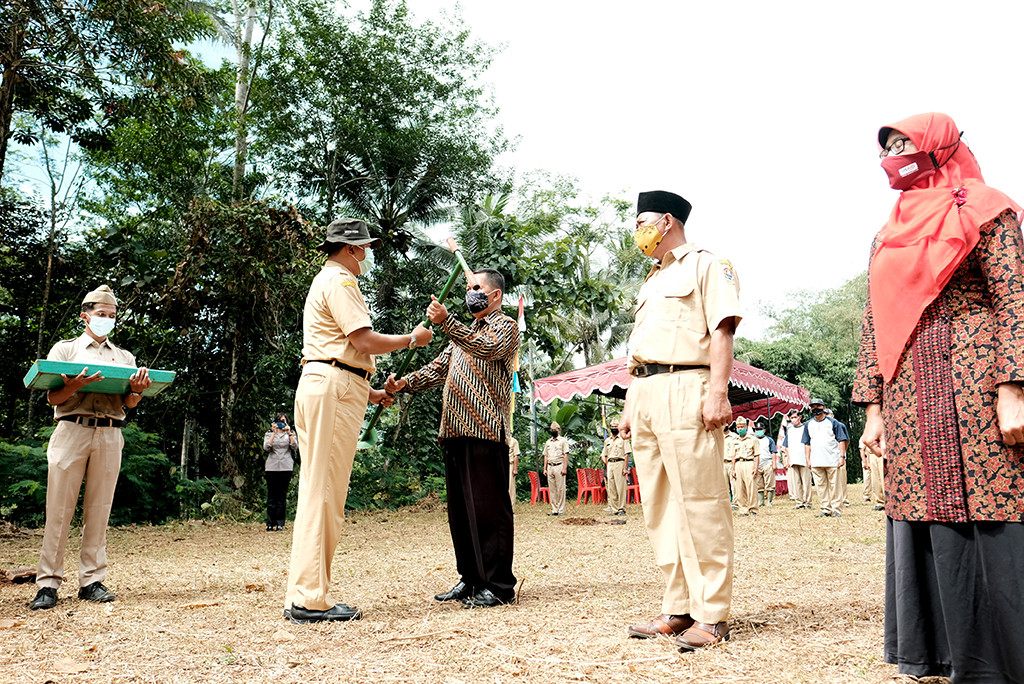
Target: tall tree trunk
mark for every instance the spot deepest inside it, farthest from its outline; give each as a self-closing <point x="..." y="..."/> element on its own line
<point x="11" y="63"/>
<point x="229" y="442"/>
<point x="244" y="51"/>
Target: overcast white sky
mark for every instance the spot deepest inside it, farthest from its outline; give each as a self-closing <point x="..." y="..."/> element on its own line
<point x="762" y="114"/>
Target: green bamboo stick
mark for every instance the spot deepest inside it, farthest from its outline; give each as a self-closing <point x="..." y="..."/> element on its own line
<point x="404" y="366"/>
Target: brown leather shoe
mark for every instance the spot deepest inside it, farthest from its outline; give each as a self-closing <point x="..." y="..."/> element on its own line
<point x="663" y="625"/>
<point x="702" y="635"/>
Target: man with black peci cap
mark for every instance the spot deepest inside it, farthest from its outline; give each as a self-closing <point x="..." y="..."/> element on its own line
<point x="680" y="356"/>
<point x="338" y="344"/>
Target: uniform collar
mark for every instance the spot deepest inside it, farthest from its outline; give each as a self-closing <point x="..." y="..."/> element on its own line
<point x="335" y="264"/>
<point x="676" y="254"/>
<point x="88" y="340"/>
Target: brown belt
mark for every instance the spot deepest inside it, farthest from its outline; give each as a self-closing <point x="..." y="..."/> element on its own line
<point x="93" y="422"/>
<point x="364" y="374"/>
<point x="649" y="369"/>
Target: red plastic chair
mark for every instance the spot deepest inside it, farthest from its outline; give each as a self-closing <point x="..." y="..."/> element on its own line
<point x="587" y="483"/>
<point x="633" y="490"/>
<point x="602" y="487"/>
<point x="536" y="491"/>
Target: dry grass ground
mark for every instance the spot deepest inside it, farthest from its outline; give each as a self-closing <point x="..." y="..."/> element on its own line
<point x="201" y="602"/>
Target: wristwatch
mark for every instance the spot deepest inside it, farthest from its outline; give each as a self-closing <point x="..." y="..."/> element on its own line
<point x="412" y="341"/>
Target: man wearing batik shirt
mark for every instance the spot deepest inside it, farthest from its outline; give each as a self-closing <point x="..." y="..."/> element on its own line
<point x="476" y="372"/>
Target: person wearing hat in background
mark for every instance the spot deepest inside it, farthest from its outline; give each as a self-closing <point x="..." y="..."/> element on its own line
<point x="798" y="472"/>
<point x="680" y="355"/>
<point x="766" y="465"/>
<point x="338" y="347"/>
<point x="825" y="441"/>
<point x="746" y="451"/>
<point x="86" y="444"/>
<point x="841" y="474"/>
<point x="279" y="442"/>
<point x="615" y="456"/>
<point x="556" y="465"/>
<point x="475" y="370"/>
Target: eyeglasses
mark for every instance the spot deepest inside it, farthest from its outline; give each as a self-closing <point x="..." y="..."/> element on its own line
<point x="895" y="148"/>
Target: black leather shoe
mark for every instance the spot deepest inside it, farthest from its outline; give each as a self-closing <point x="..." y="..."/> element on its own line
<point x="485" y="598"/>
<point x="45" y="599"/>
<point x="95" y="592"/>
<point x="456" y="593"/>
<point x="341" y="612"/>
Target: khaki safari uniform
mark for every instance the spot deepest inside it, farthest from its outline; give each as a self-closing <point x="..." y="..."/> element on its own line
<point x="556" y="454"/>
<point x="730" y="444"/>
<point x="685" y="499"/>
<point x="746" y="451"/>
<point x="330" y="402"/>
<point x="78" y="451"/>
<point x="513" y="462"/>
<point x="615" y="453"/>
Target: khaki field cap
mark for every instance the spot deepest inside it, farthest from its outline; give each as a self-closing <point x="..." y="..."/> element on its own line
<point x="348" y="231"/>
<point x="614" y="423"/>
<point x="741" y="422"/>
<point x="555" y="426"/>
<point x="101" y="295"/>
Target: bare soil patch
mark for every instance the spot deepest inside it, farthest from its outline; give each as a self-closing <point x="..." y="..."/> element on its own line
<point x="202" y="602"/>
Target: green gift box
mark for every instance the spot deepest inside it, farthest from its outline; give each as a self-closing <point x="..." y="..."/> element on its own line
<point x="46" y="375"/>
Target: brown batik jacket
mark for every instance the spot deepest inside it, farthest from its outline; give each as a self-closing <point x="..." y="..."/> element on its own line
<point x="476" y="371"/>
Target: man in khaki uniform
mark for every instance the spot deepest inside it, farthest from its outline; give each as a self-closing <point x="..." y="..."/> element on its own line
<point x="556" y="465"/>
<point x="86" y="444"/>
<point x="338" y="344"/>
<point x="730" y="444"/>
<point x="513" y="467"/>
<point x="616" y="460"/>
<point x="746" y="451"/>
<point x="681" y="353"/>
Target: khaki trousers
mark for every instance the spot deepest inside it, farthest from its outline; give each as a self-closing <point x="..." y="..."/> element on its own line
<point x="866" y="456"/>
<point x="329" y="408"/>
<point x="746" y="487"/>
<point x="556" y="488"/>
<point x="766" y="479"/>
<point x="878" y="479"/>
<point x="828" y="489"/>
<point x="76" y="453"/>
<point x="616" y="486"/>
<point x="511" y="484"/>
<point x="685" y="499"/>
<point x="800" y="484"/>
<point x="727" y="469"/>
<point x="841" y="484"/>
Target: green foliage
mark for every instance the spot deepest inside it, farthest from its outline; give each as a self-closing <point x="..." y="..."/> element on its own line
<point x="148" y="490"/>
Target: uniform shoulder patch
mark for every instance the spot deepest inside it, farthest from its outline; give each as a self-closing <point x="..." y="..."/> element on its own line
<point x="727" y="270"/>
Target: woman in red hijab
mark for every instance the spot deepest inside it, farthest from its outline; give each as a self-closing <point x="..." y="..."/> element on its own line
<point x="940" y="373"/>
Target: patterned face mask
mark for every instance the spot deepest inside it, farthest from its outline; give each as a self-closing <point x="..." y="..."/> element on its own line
<point x="648" y="237"/>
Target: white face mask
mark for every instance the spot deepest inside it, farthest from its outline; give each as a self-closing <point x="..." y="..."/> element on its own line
<point x="100" y="327"/>
<point x="367" y="262"/>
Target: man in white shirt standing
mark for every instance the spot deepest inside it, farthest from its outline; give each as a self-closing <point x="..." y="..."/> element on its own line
<point x="798" y="473"/>
<point x="825" y="441"/>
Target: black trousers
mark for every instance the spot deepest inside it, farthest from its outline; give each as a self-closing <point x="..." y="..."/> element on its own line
<point x="480" y="513"/>
<point x="277" y="495"/>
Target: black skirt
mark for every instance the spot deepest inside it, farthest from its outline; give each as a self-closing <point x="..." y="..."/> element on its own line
<point x="954" y="600"/>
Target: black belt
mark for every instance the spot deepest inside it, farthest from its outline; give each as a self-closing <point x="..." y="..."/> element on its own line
<point x="93" y="422"/>
<point x="616" y="460"/>
<point x="364" y="374"/>
<point x="648" y="369"/>
<point x="552" y="465"/>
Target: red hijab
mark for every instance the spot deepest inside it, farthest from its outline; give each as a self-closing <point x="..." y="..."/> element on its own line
<point x="931" y="230"/>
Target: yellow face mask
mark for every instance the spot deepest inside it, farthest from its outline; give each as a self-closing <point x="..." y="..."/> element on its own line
<point x="648" y="237"/>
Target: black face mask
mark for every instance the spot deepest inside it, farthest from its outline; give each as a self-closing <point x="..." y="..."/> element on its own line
<point x="615" y="431"/>
<point x="817" y="412"/>
<point x="554" y="433"/>
<point x="476" y="301"/>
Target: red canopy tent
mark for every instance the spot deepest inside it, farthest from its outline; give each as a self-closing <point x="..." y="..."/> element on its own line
<point x="752" y="392"/>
